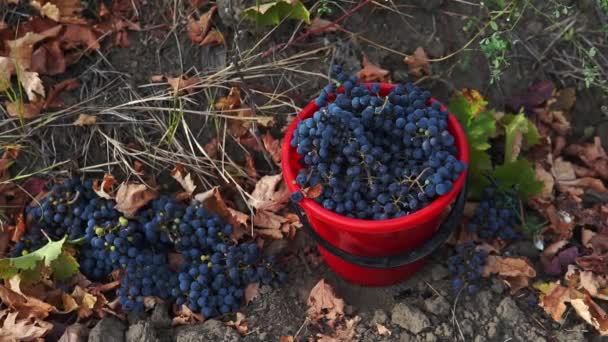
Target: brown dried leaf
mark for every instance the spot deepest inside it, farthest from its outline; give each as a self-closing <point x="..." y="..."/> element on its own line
<point x="557" y="226"/>
<point x="562" y="170"/>
<point x="21" y="49"/>
<point x="547" y="179"/>
<point x="252" y="291"/>
<point x="53" y="100"/>
<point x="554" y="300"/>
<point x="232" y="101"/>
<point x="198" y="29"/>
<point x="49" y="10"/>
<point x="32" y="85"/>
<point x="313" y="191"/>
<point x="131" y="197"/>
<point x="85" y="120"/>
<point x="214" y="37"/>
<point x="79" y="36"/>
<point x="323" y="304"/>
<point x="184" y="178"/>
<point x="344" y="333"/>
<point x="515" y="271"/>
<point x="586" y="237"/>
<point x="49" y="59"/>
<point x="24" y="329"/>
<point x="418" y="63"/>
<point x="266" y="219"/>
<point x="270" y="194"/>
<point x="273" y="146"/>
<point x="596" y="285"/>
<point x="211" y="148"/>
<point x="24" y="110"/>
<point x="106" y="188"/>
<point x="592" y="313"/>
<point x="182" y="84"/>
<point x="372" y="72"/>
<point x="213" y="201"/>
<point x="26" y="306"/>
<point x="250" y="166"/>
<point x="319" y="26"/>
<point x="185" y="316"/>
<point x="240" y="324"/>
<point x="286" y="339"/>
<point x="382" y="330"/>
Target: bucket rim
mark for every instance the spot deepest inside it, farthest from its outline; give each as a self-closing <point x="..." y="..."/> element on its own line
<point x="434" y="209"/>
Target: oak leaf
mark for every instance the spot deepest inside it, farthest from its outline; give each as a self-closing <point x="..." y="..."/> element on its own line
<point x="22" y="329"/>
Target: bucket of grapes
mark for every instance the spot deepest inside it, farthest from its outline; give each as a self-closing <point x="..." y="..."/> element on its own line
<point x="377" y="174"/>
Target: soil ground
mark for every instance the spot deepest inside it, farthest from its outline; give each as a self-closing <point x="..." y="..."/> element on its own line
<point x="436" y="25"/>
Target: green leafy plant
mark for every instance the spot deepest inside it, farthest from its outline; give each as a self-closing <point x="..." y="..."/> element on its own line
<point x="273" y="12"/>
<point x="62" y="265"/>
<point x="495" y="48"/>
<point x="324" y="7"/>
<point x="480" y="125"/>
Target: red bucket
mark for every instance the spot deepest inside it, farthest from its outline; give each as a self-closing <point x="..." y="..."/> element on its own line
<point x="377" y="253"/>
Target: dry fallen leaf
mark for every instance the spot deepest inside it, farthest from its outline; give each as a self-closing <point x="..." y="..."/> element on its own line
<point x="546" y="178"/>
<point x="553" y="299"/>
<point x="105" y="189"/>
<point x="372" y="72"/>
<point x="213" y="201"/>
<point x="182" y="84"/>
<point x="313" y="191"/>
<point x="323" y="304"/>
<point x="85" y="120"/>
<point x="418" y="63"/>
<point x="26" y="306"/>
<point x="185" y="316"/>
<point x="517" y="272"/>
<point x="592" y="313"/>
<point x="250" y="166"/>
<point x="32" y="85"/>
<point x="183" y="178"/>
<point x="273" y="146"/>
<point x="49" y="10"/>
<point x="214" y="37"/>
<point x="24" y="110"/>
<point x="286" y="339"/>
<point x="198" y="29"/>
<point x="595" y="284"/>
<point x="382" y="330"/>
<point x="240" y="324"/>
<point x="319" y="26"/>
<point x="131" y="197"/>
<point x="21" y="329"/>
<point x="252" y="291"/>
<point x="343" y="333"/>
<point x="21" y="49"/>
<point x="270" y="194"/>
<point x="53" y="101"/>
<point x="79" y="36"/>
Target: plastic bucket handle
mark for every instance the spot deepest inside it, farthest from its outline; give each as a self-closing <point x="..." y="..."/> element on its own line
<point x="441" y="235"/>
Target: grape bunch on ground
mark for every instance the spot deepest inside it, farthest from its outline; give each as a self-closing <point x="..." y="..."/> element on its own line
<point x="377" y="157"/>
<point x="210" y="280"/>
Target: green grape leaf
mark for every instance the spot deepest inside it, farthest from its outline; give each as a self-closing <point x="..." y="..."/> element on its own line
<point x="461" y="109"/>
<point x="519" y="130"/>
<point x="64" y="267"/>
<point x="480" y="166"/>
<point x="271" y="13"/>
<point x="518" y="173"/>
<point x="44" y="255"/>
<point x="481" y="129"/>
<point x="7" y="270"/>
<point x="479" y="124"/>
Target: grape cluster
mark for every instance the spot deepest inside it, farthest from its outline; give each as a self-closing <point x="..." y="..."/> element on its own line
<point x="210" y="280"/>
<point x="64" y="211"/>
<point x="466" y="267"/>
<point x="497" y="215"/>
<point x="377" y="157"/>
